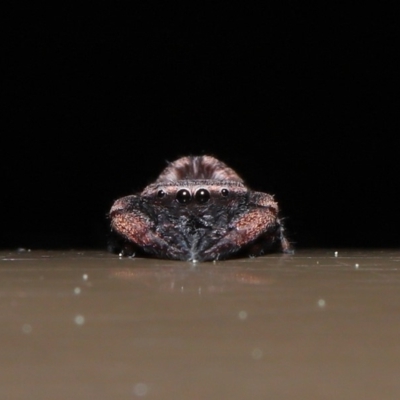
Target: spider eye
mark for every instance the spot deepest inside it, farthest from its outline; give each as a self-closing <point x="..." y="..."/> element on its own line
<point x="183" y="196"/>
<point x="161" y="194"/>
<point x="202" y="196"/>
<point x="225" y="192"/>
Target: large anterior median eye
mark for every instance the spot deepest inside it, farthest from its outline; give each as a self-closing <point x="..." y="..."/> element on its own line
<point x="202" y="196"/>
<point x="183" y="196"/>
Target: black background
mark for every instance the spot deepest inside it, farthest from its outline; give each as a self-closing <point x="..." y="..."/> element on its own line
<point x="299" y="99"/>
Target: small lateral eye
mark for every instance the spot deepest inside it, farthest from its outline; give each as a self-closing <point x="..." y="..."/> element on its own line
<point x="224" y="192"/>
<point x="161" y="194"/>
<point x="183" y="196"/>
<point x="202" y="196"/>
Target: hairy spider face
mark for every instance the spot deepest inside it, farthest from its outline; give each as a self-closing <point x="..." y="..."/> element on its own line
<point x="199" y="209"/>
<point x="193" y="196"/>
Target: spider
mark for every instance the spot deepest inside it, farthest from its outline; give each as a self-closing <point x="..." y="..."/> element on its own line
<point x="199" y="209"/>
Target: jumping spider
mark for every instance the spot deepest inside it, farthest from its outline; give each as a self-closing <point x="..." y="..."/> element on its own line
<point x="200" y="210"/>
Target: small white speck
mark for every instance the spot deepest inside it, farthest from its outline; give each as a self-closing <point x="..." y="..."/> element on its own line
<point x="242" y="315"/>
<point x="85" y="277"/>
<point x="321" y="303"/>
<point x="79" y="319"/>
<point x="356" y="266"/>
<point x="214" y="262"/>
<point x="77" y="290"/>
<point x="199" y="289"/>
<point x="317" y="262"/>
<point x="336" y="253"/>
<point x="181" y="288"/>
<point x="194" y="261"/>
<point x="120" y="255"/>
<point x="257" y="354"/>
<point x="26" y="328"/>
<point x="140" y="389"/>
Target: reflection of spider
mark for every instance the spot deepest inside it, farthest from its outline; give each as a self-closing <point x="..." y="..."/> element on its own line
<point x="211" y="280"/>
<point x="199" y="209"/>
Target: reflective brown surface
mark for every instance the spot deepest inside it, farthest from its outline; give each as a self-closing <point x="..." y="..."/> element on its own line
<point x="88" y="325"/>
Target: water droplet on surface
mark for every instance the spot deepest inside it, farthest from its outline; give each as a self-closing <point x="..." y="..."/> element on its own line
<point x="321" y="303"/>
<point x="26" y="328"/>
<point x="257" y="354"/>
<point x="79" y="319"/>
<point x="242" y="315"/>
<point x="140" y="389"/>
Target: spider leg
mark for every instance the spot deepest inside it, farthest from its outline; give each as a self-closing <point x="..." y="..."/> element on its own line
<point x="256" y="231"/>
<point x="269" y="242"/>
<point x="130" y="220"/>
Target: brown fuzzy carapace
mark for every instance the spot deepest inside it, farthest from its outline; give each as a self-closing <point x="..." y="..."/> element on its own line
<point x="198" y="167"/>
